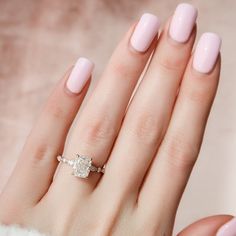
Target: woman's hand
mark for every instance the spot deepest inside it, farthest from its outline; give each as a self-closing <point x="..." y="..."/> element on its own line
<point x="149" y="143"/>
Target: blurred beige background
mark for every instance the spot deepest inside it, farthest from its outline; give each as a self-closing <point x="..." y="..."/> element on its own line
<point x="40" y="39"/>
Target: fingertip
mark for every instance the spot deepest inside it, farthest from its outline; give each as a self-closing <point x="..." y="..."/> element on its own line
<point x="206" y="227"/>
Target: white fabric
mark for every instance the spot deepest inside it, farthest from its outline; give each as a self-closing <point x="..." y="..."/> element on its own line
<point x="14" y="230"/>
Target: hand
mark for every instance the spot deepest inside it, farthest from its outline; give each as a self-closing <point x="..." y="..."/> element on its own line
<point x="149" y="143"/>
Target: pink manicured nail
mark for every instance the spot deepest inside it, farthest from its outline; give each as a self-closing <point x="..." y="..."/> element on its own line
<point x="145" y="31"/>
<point x="206" y="52"/>
<point x="229" y="229"/>
<point x="183" y="22"/>
<point x="79" y="75"/>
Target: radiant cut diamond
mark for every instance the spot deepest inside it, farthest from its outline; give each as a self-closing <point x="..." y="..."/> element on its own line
<point x="82" y="166"/>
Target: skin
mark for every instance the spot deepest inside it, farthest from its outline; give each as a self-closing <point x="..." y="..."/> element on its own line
<point x="206" y="226"/>
<point x="159" y="135"/>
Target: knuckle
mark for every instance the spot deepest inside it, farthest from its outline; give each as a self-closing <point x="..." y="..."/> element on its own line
<point x="171" y="63"/>
<point x="99" y="129"/>
<point x="125" y="70"/>
<point x="146" y="128"/>
<point x="196" y="95"/>
<point x="39" y="154"/>
<point x="55" y="109"/>
<point x="199" y="95"/>
<point x="180" y="153"/>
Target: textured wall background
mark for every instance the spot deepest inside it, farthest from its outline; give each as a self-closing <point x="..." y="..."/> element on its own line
<point x="40" y="39"/>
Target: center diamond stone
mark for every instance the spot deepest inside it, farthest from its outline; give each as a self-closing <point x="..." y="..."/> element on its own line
<point x="81" y="166"/>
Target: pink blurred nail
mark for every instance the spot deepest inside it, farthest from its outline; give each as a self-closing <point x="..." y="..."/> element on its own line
<point x="79" y="75"/>
<point x="206" y="52"/>
<point x="228" y="229"/>
<point x="183" y="22"/>
<point x="145" y="31"/>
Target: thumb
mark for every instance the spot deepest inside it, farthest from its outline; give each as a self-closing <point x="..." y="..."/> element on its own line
<point x="206" y="227"/>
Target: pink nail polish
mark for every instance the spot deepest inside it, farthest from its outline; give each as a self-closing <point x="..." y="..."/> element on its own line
<point x="206" y="52"/>
<point x="228" y="229"/>
<point x="183" y="22"/>
<point x="79" y="75"/>
<point x="145" y="31"/>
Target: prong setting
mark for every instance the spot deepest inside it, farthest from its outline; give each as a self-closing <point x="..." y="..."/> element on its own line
<point x="81" y="165"/>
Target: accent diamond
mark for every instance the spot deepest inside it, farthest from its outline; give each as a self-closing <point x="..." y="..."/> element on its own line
<point x="82" y="166"/>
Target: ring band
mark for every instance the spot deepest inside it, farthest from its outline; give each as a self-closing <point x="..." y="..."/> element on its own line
<point x="81" y="165"/>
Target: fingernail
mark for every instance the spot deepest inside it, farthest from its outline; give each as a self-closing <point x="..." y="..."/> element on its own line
<point x="79" y="75"/>
<point x="183" y="22"/>
<point x="145" y="31"/>
<point x="228" y="229"/>
<point x="206" y="52"/>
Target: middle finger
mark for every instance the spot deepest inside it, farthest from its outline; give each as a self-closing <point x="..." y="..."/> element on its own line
<point x="150" y="111"/>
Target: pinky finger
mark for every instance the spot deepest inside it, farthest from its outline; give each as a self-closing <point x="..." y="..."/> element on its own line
<point x="37" y="163"/>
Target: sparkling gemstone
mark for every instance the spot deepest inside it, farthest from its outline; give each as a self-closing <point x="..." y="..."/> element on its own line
<point x="81" y="166"/>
